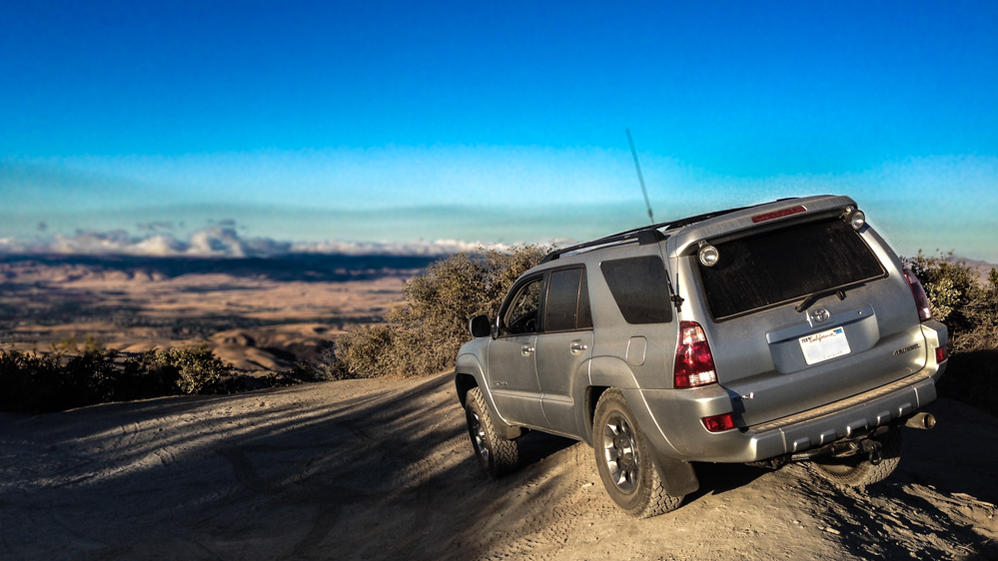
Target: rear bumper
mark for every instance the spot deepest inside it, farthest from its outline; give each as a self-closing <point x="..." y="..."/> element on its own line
<point x="675" y="429"/>
<point x="799" y="432"/>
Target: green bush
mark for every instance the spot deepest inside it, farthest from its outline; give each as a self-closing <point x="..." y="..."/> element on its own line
<point x="92" y="376"/>
<point x="28" y="380"/>
<point x="422" y="335"/>
<point x="38" y="382"/>
<point x="34" y="382"/>
<point x="146" y="375"/>
<point x="199" y="371"/>
<point x="325" y="368"/>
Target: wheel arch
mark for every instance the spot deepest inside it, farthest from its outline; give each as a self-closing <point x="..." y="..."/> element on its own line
<point x="592" y="396"/>
<point x="678" y="476"/>
<point x="604" y="372"/>
<point x="464" y="383"/>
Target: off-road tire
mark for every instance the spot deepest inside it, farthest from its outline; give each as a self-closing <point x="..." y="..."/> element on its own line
<point x="858" y="471"/>
<point x="641" y="495"/>
<point x="496" y="455"/>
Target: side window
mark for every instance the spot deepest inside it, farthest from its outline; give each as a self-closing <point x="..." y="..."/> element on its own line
<point x="562" y="308"/>
<point x="567" y="306"/>
<point x="640" y="287"/>
<point x="585" y="316"/>
<point x="523" y="313"/>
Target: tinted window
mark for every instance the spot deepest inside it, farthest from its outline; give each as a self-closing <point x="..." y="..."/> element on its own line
<point x="523" y="312"/>
<point x="585" y="316"/>
<point x="783" y="265"/>
<point x="567" y="306"/>
<point x="640" y="288"/>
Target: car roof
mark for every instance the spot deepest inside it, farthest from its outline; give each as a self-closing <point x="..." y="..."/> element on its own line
<point x="685" y="231"/>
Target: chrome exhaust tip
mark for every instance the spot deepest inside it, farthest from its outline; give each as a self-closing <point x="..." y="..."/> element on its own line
<point x="923" y="421"/>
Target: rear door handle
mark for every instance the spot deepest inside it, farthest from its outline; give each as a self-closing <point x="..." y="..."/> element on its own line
<point x="578" y="346"/>
<point x="526" y="349"/>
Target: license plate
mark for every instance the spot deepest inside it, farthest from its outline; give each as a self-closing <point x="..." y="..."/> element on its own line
<point x="819" y="347"/>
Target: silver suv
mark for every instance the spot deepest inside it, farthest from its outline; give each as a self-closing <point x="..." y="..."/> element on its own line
<point x="783" y="332"/>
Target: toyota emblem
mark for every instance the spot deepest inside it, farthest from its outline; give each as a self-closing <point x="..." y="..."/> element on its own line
<point x="819" y="315"/>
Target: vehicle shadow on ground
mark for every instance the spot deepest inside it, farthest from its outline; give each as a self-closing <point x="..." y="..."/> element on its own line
<point x="535" y="446"/>
<point x="716" y="479"/>
<point x="954" y="455"/>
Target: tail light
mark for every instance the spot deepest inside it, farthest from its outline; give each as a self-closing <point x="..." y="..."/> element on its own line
<point x="921" y="300"/>
<point x="694" y="363"/>
<point x="719" y="423"/>
<point x="941" y="354"/>
<point x="778" y="213"/>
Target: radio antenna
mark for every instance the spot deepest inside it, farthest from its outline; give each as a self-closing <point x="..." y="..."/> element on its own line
<point x="641" y="178"/>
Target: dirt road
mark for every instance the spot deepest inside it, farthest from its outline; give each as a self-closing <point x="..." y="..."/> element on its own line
<point x="381" y="469"/>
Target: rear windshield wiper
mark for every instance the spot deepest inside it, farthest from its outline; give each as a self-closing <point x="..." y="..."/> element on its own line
<point x="840" y="291"/>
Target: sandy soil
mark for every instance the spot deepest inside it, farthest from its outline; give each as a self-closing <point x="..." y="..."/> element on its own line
<point x="382" y="469"/>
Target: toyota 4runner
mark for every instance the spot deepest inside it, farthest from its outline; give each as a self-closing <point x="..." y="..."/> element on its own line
<point x="782" y="332"/>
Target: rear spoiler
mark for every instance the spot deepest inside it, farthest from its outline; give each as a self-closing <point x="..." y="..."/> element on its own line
<point x="683" y="240"/>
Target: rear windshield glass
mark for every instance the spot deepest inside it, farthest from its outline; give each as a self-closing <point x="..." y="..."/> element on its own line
<point x="782" y="265"/>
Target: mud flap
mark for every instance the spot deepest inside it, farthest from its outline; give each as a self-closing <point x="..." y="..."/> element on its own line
<point x="678" y="476"/>
<point x="507" y="431"/>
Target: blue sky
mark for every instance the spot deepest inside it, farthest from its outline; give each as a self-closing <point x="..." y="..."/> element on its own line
<point x="316" y="121"/>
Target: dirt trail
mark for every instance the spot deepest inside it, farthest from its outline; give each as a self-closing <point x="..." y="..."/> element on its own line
<point x="381" y="469"/>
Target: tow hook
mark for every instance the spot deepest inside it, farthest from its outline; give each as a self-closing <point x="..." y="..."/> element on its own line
<point x="872" y="448"/>
<point x="924" y="421"/>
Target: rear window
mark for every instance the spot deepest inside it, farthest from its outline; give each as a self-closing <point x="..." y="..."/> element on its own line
<point x="779" y="266"/>
<point x="567" y="305"/>
<point x="640" y="288"/>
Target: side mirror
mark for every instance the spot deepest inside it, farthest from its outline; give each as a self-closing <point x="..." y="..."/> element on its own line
<point x="480" y="326"/>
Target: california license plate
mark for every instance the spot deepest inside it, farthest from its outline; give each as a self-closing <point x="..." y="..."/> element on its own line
<point x="819" y="347"/>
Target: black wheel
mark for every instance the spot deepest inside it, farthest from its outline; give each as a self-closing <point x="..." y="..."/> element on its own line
<point x="625" y="462"/>
<point x="858" y="470"/>
<point x="496" y="455"/>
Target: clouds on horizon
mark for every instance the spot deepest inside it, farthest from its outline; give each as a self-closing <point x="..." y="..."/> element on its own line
<point x="219" y="241"/>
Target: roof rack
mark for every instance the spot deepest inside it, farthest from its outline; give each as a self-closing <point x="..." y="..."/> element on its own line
<point x="645" y="234"/>
<point x="642" y="235"/>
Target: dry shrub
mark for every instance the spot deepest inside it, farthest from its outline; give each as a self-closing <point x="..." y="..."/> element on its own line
<point x="53" y="381"/>
<point x="422" y="335"/>
<point x="960" y="299"/>
<point x="199" y="371"/>
<point x="968" y="306"/>
<point x="34" y="382"/>
<point x="30" y="382"/>
<point x="366" y="351"/>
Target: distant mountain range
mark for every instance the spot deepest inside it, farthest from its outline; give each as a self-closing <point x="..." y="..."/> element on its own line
<point x="309" y="267"/>
<point x="982" y="268"/>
